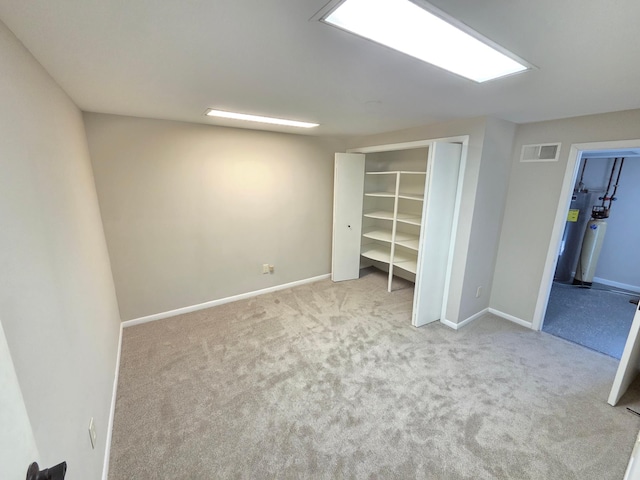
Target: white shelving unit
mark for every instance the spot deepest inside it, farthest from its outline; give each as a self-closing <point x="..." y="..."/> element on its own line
<point x="387" y="241"/>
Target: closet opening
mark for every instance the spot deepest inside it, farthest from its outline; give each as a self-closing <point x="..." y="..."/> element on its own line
<point x="395" y="211"/>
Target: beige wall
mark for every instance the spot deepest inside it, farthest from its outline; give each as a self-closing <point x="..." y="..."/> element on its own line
<point x="191" y="212"/>
<point x="532" y="201"/>
<point x="17" y="445"/>
<point x="481" y="203"/>
<point x="491" y="192"/>
<point x="57" y="301"/>
<point x="414" y="159"/>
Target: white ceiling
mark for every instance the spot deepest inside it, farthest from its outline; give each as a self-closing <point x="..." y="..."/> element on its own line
<point x="173" y="59"/>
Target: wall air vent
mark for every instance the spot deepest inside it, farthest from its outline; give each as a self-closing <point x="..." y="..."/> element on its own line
<point x="545" y="152"/>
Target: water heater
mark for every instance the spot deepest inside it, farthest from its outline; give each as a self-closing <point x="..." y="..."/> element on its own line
<point x="591" y="246"/>
<point x="577" y="219"/>
<point x="596" y="228"/>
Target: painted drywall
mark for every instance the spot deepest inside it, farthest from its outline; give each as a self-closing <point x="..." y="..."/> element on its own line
<point x="414" y="159"/>
<point x="532" y="201"/>
<point x="57" y="300"/>
<point x="482" y="195"/>
<point x="191" y="212"/>
<point x="17" y="445"/>
<point x="619" y="262"/>
<point x="491" y="193"/>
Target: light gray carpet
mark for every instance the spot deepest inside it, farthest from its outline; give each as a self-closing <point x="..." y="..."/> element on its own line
<point x="331" y="381"/>
<point x="594" y="317"/>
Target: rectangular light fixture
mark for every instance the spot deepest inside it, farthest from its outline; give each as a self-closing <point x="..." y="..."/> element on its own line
<point x="257" y="118"/>
<point x="409" y="28"/>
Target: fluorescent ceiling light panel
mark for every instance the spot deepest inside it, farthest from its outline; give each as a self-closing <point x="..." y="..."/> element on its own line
<point x="408" y="28"/>
<point x="257" y="118"/>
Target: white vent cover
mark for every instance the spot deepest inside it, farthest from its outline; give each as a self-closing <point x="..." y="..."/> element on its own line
<point x="545" y="152"/>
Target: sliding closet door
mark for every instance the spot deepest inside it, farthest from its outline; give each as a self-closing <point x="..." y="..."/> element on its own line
<point x="348" y="193"/>
<point x="438" y="212"/>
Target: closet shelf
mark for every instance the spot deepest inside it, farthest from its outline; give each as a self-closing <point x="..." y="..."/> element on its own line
<point x="409" y="218"/>
<point x="406" y="260"/>
<point x="381" y="215"/>
<point x="378" y="234"/>
<point x="376" y="252"/>
<point x="411" y="196"/>
<point x="406" y="196"/>
<point x="409" y="266"/>
<point x="412" y="244"/>
<point x="407" y="240"/>
<point x="395" y="172"/>
<point x="380" y="194"/>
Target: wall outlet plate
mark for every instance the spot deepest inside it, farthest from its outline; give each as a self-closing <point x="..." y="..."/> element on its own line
<point x="265" y="268"/>
<point x="92" y="433"/>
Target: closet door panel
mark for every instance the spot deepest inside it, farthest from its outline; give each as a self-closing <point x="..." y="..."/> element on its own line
<point x="347" y="216"/>
<point x="435" y="237"/>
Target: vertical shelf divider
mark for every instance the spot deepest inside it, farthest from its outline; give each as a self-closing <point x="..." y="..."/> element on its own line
<point x="393" y="232"/>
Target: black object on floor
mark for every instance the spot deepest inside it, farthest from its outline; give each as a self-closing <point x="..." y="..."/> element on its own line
<point x="54" y="473"/>
<point x="595" y="318"/>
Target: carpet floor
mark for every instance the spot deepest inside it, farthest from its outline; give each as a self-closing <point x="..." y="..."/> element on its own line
<point x="596" y="318"/>
<point x="331" y="381"/>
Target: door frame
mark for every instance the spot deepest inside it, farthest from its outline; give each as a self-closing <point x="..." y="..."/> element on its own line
<point x="464" y="141"/>
<point x="570" y="175"/>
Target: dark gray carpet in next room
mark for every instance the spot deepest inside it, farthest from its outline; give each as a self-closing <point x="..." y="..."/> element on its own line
<point x="329" y="380"/>
<point x="593" y="317"/>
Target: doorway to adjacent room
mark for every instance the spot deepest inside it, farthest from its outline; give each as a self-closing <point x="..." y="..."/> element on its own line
<point x="597" y="280"/>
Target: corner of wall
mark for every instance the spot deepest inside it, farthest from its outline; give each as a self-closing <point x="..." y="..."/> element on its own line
<point x="488" y="213"/>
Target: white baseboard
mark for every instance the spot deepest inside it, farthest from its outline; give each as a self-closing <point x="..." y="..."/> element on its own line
<point x="511" y="318"/>
<point x="458" y="326"/>
<point x="114" y="394"/>
<point x="221" y="301"/>
<point x="611" y="283"/>
<point x="449" y="323"/>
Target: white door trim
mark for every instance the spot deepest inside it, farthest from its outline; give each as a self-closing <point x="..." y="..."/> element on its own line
<point x="561" y="215"/>
<point x="454" y="229"/>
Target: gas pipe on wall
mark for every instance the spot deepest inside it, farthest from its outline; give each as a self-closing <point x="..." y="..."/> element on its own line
<point x="596" y="229"/>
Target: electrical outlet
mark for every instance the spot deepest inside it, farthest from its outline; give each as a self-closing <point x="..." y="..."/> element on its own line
<point x="478" y="292"/>
<point x="265" y="268"/>
<point x="271" y="268"/>
<point x="92" y="433"/>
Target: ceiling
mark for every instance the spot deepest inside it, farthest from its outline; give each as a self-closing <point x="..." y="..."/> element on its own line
<point x="173" y="59"/>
